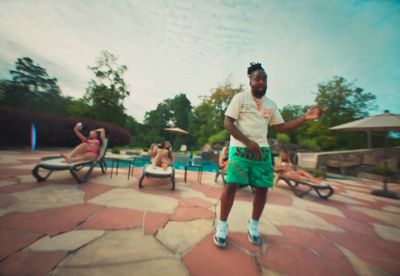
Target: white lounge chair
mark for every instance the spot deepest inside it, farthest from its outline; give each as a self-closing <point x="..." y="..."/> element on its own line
<point x="57" y="163"/>
<point x="158" y="172"/>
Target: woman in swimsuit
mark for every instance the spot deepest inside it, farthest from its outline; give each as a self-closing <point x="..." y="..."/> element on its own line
<point x="223" y="158"/>
<point x="285" y="167"/>
<point x="89" y="148"/>
<point x="164" y="157"/>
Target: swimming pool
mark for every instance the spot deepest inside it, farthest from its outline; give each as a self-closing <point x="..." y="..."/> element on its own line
<point x="208" y="166"/>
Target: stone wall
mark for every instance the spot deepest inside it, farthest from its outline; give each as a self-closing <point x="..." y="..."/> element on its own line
<point x="361" y="158"/>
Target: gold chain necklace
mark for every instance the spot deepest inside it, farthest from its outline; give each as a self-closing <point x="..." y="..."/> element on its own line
<point x="258" y="102"/>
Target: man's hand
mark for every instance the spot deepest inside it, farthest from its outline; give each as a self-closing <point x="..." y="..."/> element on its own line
<point x="314" y="113"/>
<point x="253" y="147"/>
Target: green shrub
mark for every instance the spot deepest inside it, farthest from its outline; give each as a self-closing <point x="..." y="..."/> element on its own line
<point x="318" y="173"/>
<point x="115" y="150"/>
<point x="283" y="137"/>
<point x="220" y="137"/>
<point x="382" y="170"/>
<point x="52" y="130"/>
<point x="309" y="144"/>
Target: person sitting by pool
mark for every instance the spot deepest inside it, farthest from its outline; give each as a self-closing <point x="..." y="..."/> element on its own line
<point x="163" y="157"/>
<point x="153" y="151"/>
<point x="286" y="168"/>
<point x="223" y="158"/>
<point x="89" y="149"/>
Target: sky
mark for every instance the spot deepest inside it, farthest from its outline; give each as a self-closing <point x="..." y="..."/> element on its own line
<point x="192" y="46"/>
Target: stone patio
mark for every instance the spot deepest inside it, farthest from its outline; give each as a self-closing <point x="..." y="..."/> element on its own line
<point x="108" y="226"/>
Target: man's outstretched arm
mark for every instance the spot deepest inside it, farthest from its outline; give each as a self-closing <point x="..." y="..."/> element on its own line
<point x="312" y="114"/>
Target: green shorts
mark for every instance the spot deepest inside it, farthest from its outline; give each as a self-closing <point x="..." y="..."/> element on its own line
<point x="244" y="168"/>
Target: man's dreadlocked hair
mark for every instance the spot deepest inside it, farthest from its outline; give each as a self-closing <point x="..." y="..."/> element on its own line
<point x="254" y="67"/>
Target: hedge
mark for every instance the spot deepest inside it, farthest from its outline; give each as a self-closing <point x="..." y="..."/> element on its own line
<point x="52" y="130"/>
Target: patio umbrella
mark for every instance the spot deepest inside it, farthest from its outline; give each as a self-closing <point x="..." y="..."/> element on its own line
<point x="383" y="122"/>
<point x="176" y="130"/>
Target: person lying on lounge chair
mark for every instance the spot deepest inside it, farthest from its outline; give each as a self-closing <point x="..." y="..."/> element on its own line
<point x="223" y="158"/>
<point x="153" y="151"/>
<point x="286" y="168"/>
<point x="163" y="157"/>
<point x="89" y="148"/>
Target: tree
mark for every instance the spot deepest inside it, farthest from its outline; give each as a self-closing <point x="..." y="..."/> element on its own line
<point x="155" y="121"/>
<point x="78" y="108"/>
<point x="137" y="130"/>
<point x="222" y="95"/>
<point x="32" y="88"/>
<point x="33" y="77"/>
<point x="173" y="112"/>
<point x="180" y="107"/>
<point x="204" y="123"/>
<point x="207" y="120"/>
<point x="345" y="102"/>
<point x="107" y="91"/>
<point x="291" y="112"/>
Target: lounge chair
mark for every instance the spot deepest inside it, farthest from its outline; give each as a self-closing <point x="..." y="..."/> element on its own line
<point x="221" y="173"/>
<point x="57" y="163"/>
<point x="188" y="164"/>
<point x="158" y="172"/>
<point x="324" y="191"/>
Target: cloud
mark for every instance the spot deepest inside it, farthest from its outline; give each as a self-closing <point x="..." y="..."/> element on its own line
<point x="192" y="46"/>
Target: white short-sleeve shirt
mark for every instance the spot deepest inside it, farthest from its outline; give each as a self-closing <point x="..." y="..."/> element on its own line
<point x="252" y="122"/>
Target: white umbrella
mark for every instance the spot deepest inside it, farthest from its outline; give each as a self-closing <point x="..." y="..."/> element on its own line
<point x="176" y="130"/>
<point x="382" y="122"/>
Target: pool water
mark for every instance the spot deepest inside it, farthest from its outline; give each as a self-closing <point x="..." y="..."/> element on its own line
<point x="208" y="166"/>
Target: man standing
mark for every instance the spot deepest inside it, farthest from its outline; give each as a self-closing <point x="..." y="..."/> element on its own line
<point x="246" y="119"/>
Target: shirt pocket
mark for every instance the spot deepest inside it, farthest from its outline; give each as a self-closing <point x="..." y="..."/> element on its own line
<point x="247" y="108"/>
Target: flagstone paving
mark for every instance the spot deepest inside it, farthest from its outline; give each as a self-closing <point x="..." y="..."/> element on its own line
<point x="108" y="226"/>
<point x="181" y="236"/>
<point x="69" y="241"/>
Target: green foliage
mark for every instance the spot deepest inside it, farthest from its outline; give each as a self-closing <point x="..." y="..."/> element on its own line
<point x="310" y="144"/>
<point x="220" y="137"/>
<point x="204" y="123"/>
<point x="78" y="108"/>
<point x="319" y="134"/>
<point x="283" y="137"/>
<point x="318" y="173"/>
<point x="107" y="91"/>
<point x="32" y="88"/>
<point x="221" y="96"/>
<point x="137" y="131"/>
<point x="291" y="112"/>
<point x="345" y="101"/>
<point x="208" y="117"/>
<point x="383" y="170"/>
<point x="115" y="150"/>
<point x="33" y="77"/>
<point x="173" y="112"/>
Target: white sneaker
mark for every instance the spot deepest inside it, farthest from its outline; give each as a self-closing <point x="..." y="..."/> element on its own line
<point x="221" y="234"/>
<point x="252" y="232"/>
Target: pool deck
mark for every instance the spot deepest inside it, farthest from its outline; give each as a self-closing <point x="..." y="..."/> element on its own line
<point x="108" y="226"/>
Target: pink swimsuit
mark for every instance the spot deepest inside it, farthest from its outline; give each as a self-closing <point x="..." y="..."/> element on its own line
<point x="96" y="152"/>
